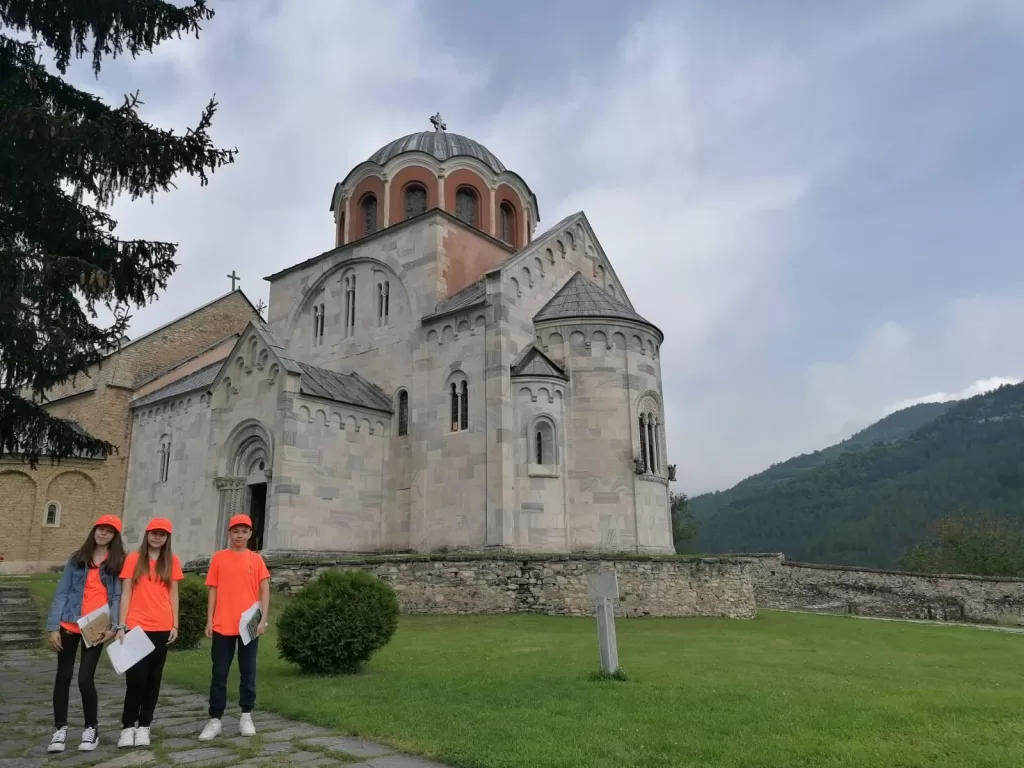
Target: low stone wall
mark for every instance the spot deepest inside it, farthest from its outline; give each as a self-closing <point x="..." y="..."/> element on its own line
<point x="557" y="585"/>
<point x="788" y="585"/>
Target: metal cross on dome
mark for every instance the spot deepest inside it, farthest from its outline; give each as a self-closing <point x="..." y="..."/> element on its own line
<point x="439" y="124"/>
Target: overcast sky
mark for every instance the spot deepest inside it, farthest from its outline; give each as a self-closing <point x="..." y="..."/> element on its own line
<point x="819" y="203"/>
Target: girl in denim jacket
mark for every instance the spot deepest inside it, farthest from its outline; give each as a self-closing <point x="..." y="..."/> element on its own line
<point x="90" y="580"/>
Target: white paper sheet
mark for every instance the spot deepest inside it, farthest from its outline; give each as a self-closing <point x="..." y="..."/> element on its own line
<point x="125" y="655"/>
<point x="243" y="623"/>
<point x="91" y="617"/>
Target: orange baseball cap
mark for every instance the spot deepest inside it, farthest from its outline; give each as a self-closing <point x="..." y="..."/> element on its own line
<point x="160" y="524"/>
<point x="239" y="520"/>
<point x="112" y="520"/>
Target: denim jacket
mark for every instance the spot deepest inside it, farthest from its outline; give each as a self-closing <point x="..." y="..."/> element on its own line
<point x="67" y="602"/>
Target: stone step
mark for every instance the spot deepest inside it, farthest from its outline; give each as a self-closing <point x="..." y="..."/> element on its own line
<point x="20" y="615"/>
<point x="16" y="641"/>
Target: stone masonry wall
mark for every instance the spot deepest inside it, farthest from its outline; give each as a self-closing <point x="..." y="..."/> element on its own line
<point x="508" y="583"/>
<point x="788" y="585"/>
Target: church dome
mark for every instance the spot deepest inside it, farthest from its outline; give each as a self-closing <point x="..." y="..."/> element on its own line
<point x="441" y="145"/>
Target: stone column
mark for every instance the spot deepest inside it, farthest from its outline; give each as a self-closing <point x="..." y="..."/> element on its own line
<point x="387" y="202"/>
<point x="494" y="225"/>
<point x="232" y="500"/>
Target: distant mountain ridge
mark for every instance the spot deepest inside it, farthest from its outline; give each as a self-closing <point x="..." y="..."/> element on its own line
<point x="868" y="499"/>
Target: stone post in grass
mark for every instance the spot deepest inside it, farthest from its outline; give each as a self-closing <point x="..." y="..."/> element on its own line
<point x="603" y="590"/>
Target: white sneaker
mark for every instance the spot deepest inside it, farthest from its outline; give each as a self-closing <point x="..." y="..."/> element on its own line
<point x="90" y="738"/>
<point x="211" y="730"/>
<point x="246" y="727"/>
<point x="127" y="738"/>
<point x="142" y="736"/>
<point x="60" y="736"/>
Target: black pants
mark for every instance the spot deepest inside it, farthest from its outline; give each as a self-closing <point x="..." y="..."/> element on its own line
<point x="143" y="684"/>
<point x="222" y="650"/>
<point x="86" y="679"/>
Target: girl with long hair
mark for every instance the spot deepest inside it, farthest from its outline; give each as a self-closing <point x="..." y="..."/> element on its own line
<point x="149" y="600"/>
<point x="89" y="581"/>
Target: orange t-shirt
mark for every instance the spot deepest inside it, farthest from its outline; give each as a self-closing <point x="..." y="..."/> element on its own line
<point x="237" y="577"/>
<point x="150" y="606"/>
<point x="94" y="596"/>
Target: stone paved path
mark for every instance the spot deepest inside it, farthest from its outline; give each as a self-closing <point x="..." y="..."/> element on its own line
<point x="26" y="724"/>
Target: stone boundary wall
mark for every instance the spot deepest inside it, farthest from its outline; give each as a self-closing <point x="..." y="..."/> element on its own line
<point x="788" y="585"/>
<point x="547" y="584"/>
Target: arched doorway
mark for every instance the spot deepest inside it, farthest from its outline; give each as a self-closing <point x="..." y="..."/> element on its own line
<point x="244" y="487"/>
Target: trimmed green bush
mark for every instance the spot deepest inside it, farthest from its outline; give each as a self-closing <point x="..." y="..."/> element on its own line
<point x="336" y="622"/>
<point x="191" y="613"/>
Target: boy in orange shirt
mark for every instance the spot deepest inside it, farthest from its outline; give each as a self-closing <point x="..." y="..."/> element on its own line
<point x="237" y="578"/>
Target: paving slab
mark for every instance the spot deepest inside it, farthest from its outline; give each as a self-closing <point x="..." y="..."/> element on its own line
<point x="350" y="746"/>
<point x="26" y="718"/>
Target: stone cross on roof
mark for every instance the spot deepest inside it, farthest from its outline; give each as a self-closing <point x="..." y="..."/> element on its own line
<point x="439" y="124"/>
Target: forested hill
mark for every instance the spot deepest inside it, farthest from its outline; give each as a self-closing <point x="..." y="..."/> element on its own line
<point x="893" y="427"/>
<point x="868" y="500"/>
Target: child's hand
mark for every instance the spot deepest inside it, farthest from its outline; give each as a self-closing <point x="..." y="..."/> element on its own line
<point x="120" y="636"/>
<point x="55" y="641"/>
<point x="173" y="636"/>
<point x="209" y="629"/>
<point x="261" y="628"/>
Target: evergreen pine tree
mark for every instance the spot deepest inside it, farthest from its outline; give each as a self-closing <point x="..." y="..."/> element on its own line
<point x="65" y="156"/>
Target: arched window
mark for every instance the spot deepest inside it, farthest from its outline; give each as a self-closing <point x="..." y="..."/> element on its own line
<point x="458" y="393"/>
<point x="369" y="206"/>
<point x="318" y="323"/>
<point x="508" y="224"/>
<point x="51" y="514"/>
<point x="544" y="443"/>
<point x="165" y="457"/>
<point x="415" y="200"/>
<point x="383" y="301"/>
<point x="649" y="424"/>
<point x="349" y="283"/>
<point x="466" y="205"/>
<point x="403" y="413"/>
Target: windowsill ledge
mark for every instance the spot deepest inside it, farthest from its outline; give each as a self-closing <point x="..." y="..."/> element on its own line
<point x="654" y="478"/>
<point x="541" y="470"/>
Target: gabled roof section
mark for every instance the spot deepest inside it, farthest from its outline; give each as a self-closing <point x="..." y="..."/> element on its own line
<point x="579" y="298"/>
<point x="201" y="379"/>
<point x="533" y="362"/>
<point x="474" y="294"/>
<point x="350" y="388"/>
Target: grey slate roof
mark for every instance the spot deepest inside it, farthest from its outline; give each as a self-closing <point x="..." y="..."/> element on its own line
<point x="533" y="362"/>
<point x="440" y="144"/>
<point x="201" y="379"/>
<point x="580" y="298"/>
<point x="348" y="388"/>
<point x="470" y="296"/>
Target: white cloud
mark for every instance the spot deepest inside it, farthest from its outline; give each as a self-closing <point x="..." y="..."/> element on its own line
<point x="979" y="387"/>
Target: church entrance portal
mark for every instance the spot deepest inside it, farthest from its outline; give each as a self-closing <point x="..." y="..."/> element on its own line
<point x="258" y="514"/>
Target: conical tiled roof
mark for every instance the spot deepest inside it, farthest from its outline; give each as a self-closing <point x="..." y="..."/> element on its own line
<point x="580" y="298"/>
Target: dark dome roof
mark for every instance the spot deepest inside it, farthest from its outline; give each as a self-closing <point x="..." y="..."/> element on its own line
<point x="580" y="299"/>
<point x="440" y="144"/>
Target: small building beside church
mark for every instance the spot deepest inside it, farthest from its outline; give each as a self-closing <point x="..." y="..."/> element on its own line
<point x="444" y="378"/>
<point x="47" y="511"/>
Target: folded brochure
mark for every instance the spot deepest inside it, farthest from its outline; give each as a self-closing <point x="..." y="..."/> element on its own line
<point x="94" y="624"/>
<point x="126" y="654"/>
<point x="251" y="618"/>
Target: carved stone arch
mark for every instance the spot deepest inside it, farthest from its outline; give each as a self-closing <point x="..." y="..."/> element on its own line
<point x="247" y="444"/>
<point x="386" y="264"/>
<point x="648" y="401"/>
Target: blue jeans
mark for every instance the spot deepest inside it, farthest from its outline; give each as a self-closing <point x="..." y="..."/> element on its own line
<point x="222" y="651"/>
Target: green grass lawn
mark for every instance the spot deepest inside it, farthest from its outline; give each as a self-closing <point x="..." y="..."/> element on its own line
<point x="783" y="690"/>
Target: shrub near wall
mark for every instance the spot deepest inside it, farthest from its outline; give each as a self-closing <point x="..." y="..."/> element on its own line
<point x="192" y="593"/>
<point x="507" y="582"/>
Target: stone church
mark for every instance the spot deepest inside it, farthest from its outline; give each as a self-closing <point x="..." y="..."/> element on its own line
<point x="444" y="378"/>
